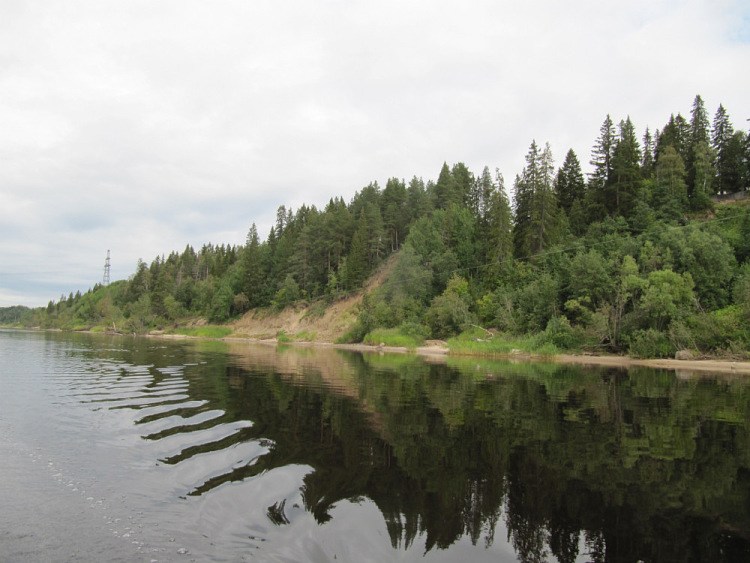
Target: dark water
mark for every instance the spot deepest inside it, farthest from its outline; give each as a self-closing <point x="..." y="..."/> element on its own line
<point x="127" y="449"/>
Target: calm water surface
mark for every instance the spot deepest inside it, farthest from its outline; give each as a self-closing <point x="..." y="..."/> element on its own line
<point x="131" y="449"/>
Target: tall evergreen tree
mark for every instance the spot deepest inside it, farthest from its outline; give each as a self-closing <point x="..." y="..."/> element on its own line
<point x="446" y="189"/>
<point x="418" y="201"/>
<point x="676" y="134"/>
<point x="464" y="182"/>
<point x="356" y="269"/>
<point x="395" y="213"/>
<point x="704" y="175"/>
<point x="498" y="228"/>
<point x="601" y="156"/>
<point x="569" y="183"/>
<point x="481" y="193"/>
<point x="732" y="162"/>
<point x="699" y="140"/>
<point x="721" y="134"/>
<point x="623" y="190"/>
<point x="670" y="193"/>
<point x="647" y="160"/>
<point x="537" y="216"/>
<point x="253" y="269"/>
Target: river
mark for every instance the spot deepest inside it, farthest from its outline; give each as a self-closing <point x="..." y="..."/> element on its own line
<point x="117" y="448"/>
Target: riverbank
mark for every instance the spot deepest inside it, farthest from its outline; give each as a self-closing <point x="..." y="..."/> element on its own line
<point x="439" y="351"/>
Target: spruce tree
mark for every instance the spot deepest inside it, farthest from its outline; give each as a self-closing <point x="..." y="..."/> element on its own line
<point x="395" y="213"/>
<point x="252" y="266"/>
<point x="676" y="134"/>
<point x="721" y="134"/>
<point x="623" y="190"/>
<point x="699" y="141"/>
<point x="647" y="160"/>
<point x="601" y="156"/>
<point x="446" y="189"/>
<point x="569" y="183"/>
<point x="704" y="175"/>
<point x="498" y="232"/>
<point x="537" y="215"/>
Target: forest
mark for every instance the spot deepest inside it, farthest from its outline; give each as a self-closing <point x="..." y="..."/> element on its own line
<point x="647" y="254"/>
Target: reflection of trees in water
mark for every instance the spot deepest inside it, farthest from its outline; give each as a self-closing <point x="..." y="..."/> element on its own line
<point x="602" y="461"/>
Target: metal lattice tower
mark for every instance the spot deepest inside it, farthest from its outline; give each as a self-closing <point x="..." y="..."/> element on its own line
<point x="105" y="280"/>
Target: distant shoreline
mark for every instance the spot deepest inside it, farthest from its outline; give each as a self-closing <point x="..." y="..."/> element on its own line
<point x="440" y="353"/>
<point x="436" y="352"/>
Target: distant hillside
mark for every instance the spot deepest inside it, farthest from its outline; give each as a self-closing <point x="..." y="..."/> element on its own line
<point x="641" y="255"/>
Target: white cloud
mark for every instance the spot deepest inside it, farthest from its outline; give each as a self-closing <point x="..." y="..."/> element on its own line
<point x="142" y="126"/>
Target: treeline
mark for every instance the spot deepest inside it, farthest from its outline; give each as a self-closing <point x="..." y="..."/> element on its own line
<point x="632" y="256"/>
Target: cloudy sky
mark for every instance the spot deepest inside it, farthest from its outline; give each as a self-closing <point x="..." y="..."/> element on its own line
<point x="141" y="126"/>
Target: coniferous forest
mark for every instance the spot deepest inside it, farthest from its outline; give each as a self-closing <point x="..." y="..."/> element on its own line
<point x="648" y="253"/>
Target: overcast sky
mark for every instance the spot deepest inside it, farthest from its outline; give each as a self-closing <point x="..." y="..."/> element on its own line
<point x="143" y="126"/>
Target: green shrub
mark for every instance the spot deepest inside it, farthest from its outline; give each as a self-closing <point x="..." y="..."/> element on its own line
<point x="282" y="337"/>
<point x="417" y="331"/>
<point x="391" y="337"/>
<point x="650" y="343"/>
<point x="560" y="334"/>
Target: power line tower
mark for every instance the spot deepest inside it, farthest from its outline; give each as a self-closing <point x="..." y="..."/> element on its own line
<point x="105" y="281"/>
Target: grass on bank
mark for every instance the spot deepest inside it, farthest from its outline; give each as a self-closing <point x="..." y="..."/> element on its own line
<point x="479" y="343"/>
<point x="205" y="331"/>
<point x="282" y="337"/>
<point x="392" y="337"/>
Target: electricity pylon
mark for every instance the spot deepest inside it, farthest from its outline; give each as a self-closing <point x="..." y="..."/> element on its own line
<point x="105" y="281"/>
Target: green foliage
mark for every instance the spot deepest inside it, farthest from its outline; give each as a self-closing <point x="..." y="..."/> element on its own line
<point x="714" y="331"/>
<point x="449" y="312"/>
<point x="650" y="343"/>
<point x="667" y="296"/>
<point x="562" y="335"/>
<point x="742" y="289"/>
<point x="15" y="315"/>
<point x="287" y="294"/>
<point x="476" y="341"/>
<point x="392" y="337"/>
<point x="282" y="337"/>
<point x="535" y="303"/>
<point x="221" y="305"/>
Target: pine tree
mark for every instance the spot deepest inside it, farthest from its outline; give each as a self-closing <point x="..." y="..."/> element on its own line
<point x="464" y="181"/>
<point x="357" y="260"/>
<point x="601" y="155"/>
<point x="647" y="161"/>
<point x="676" y="134"/>
<point x="623" y="190"/>
<point x="704" y="175"/>
<point x="446" y="189"/>
<point x="498" y="233"/>
<point x="732" y="162"/>
<point x="569" y="183"/>
<point x="418" y="201"/>
<point x="721" y="134"/>
<point x="537" y="216"/>
<point x="699" y="140"/>
<point x="253" y="269"/>
<point x="481" y="192"/>
<point x="395" y="213"/>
